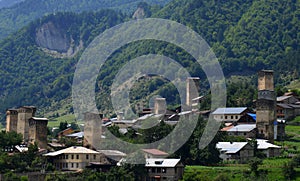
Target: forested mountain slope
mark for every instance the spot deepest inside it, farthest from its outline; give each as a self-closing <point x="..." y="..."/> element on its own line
<point x="19" y="15"/>
<point x="245" y="35"/>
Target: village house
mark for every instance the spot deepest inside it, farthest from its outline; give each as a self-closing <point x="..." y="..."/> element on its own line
<point x="288" y="106"/>
<point x="243" y="151"/>
<point x="229" y="114"/>
<point x="74" y="158"/>
<point x="269" y="149"/>
<point x="235" y="151"/>
<point x="243" y="130"/>
<point x="164" y="169"/>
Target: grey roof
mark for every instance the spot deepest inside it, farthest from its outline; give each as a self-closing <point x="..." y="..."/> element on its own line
<point x="230" y="147"/>
<point x="157" y="162"/>
<point x="242" y="128"/>
<point x="112" y="153"/>
<point x="78" y="135"/>
<point x="230" y="110"/>
<point x="286" y="106"/>
<point x="282" y="98"/>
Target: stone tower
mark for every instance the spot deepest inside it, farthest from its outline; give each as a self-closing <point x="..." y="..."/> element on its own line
<point x="92" y="130"/>
<point x="192" y="90"/>
<point x="24" y="114"/>
<point x="38" y="131"/>
<point x="160" y="106"/>
<point x="11" y="120"/>
<point x="266" y="106"/>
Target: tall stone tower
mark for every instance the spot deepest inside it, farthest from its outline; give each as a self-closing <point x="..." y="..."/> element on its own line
<point x="266" y="105"/>
<point x="192" y="90"/>
<point x="38" y="131"/>
<point x="11" y="120"/>
<point x="24" y="114"/>
<point x="160" y="106"/>
<point x="92" y="130"/>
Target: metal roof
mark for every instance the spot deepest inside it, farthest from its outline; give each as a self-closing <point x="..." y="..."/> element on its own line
<point x="112" y="153"/>
<point x="230" y="147"/>
<point x="156" y="162"/>
<point x="40" y="119"/>
<point x="242" y="128"/>
<point x="78" y="135"/>
<point x="285" y="106"/>
<point x="72" y="150"/>
<point x="282" y="98"/>
<point x="263" y="144"/>
<point x="230" y="110"/>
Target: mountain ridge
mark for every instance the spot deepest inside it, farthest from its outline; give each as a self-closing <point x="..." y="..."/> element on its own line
<point x="219" y="22"/>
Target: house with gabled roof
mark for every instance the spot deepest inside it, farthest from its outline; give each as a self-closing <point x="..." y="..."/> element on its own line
<point x="243" y="130"/>
<point x="164" y="169"/>
<point x="74" y="158"/>
<point x="229" y="114"/>
<point x="235" y="151"/>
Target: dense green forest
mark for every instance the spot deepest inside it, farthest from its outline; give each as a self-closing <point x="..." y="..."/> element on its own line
<point x="21" y="14"/>
<point x="245" y="35"/>
<point x="8" y="3"/>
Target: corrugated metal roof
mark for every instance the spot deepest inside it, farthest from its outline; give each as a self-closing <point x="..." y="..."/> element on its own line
<point x="152" y="162"/>
<point x="72" y="150"/>
<point x="230" y="110"/>
<point x="242" y="128"/>
<point x="231" y="147"/>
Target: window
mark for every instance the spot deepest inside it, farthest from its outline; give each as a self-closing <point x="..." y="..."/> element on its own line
<point x="236" y="117"/>
<point x="72" y="165"/>
<point x="225" y="117"/>
<point x="67" y="156"/>
<point x="164" y="170"/>
<point x="94" y="157"/>
<point x="77" y="157"/>
<point x="231" y="117"/>
<point x="87" y="157"/>
<point x="66" y="165"/>
<point x="153" y="170"/>
<point x="77" y="165"/>
<point x="158" y="170"/>
<point x="72" y="156"/>
<point x="221" y="117"/>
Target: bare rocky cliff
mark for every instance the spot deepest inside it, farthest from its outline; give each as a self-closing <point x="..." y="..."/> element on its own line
<point x="56" y="41"/>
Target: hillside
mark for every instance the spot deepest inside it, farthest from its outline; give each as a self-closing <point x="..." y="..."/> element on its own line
<point x="246" y="36"/>
<point x="15" y="17"/>
<point x="8" y="3"/>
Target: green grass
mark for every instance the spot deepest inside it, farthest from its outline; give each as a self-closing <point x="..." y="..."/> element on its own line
<point x="55" y="122"/>
<point x="271" y="169"/>
<point x="293" y="136"/>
